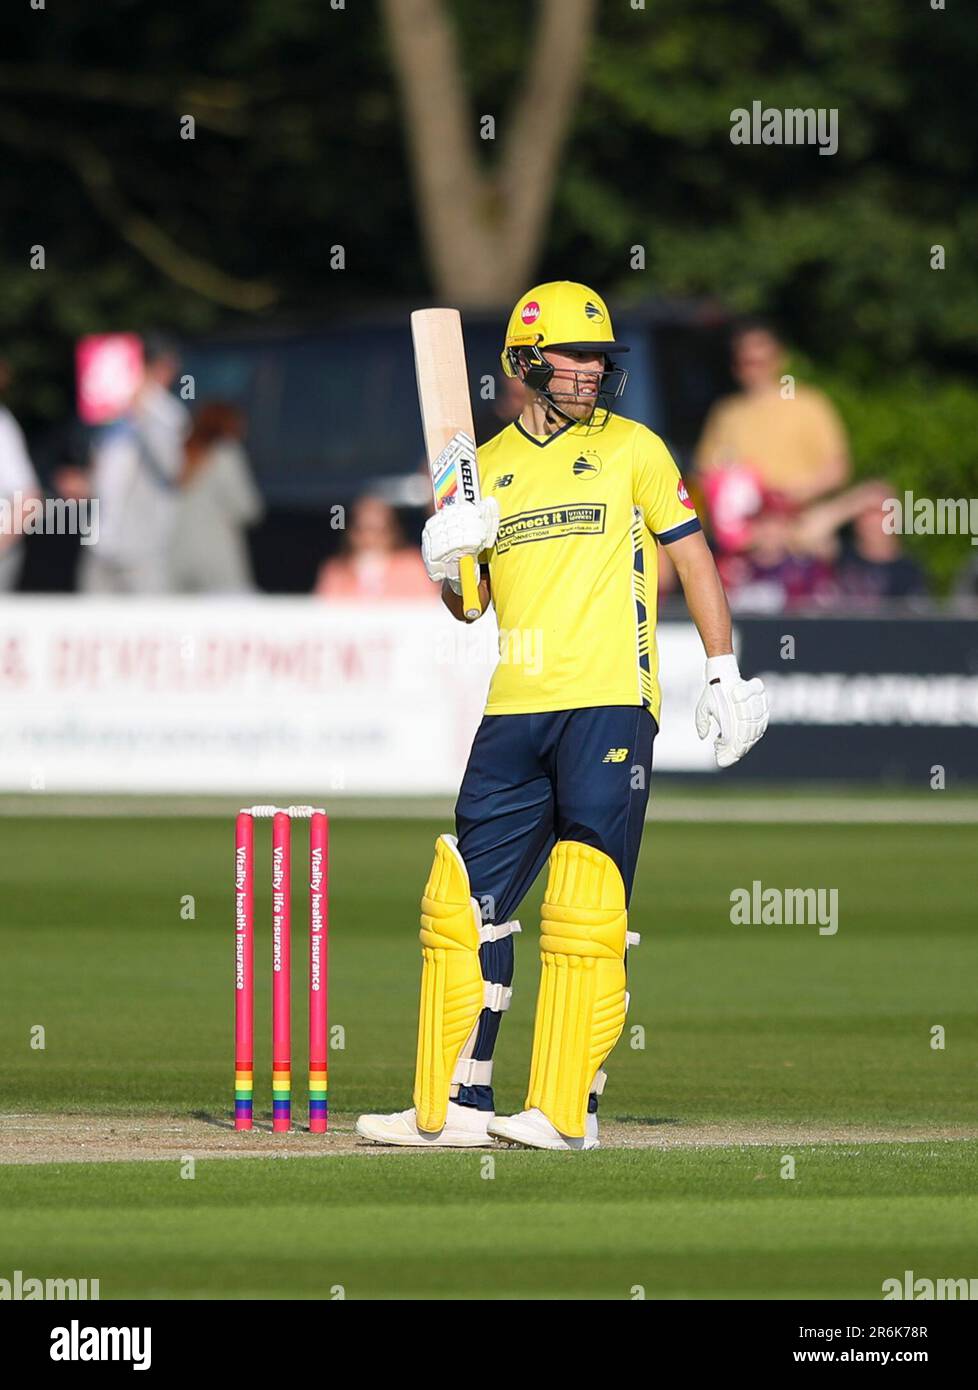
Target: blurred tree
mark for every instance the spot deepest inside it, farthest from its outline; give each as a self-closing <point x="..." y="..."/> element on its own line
<point x="836" y="247"/>
<point x="300" y="146"/>
<point x="483" y="230"/>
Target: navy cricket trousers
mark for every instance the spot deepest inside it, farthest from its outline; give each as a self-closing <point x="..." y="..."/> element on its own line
<point x="533" y="779"/>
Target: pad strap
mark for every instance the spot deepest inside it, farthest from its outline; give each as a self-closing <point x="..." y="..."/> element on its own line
<point x="497" y="997"/>
<point x="469" y="1072"/>
<point x="491" y="931"/>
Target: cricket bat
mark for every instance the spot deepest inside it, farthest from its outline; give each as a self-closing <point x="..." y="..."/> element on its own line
<point x="446" y="418"/>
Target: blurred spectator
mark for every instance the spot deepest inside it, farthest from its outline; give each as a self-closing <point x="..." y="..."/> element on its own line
<point x="375" y="562"/>
<point x="731" y="496"/>
<point x="832" y="554"/>
<point x="775" y="573"/>
<point x="871" y="567"/>
<point x="761" y="440"/>
<point x="218" y="501"/>
<point x="18" y="486"/>
<point x="137" y="466"/>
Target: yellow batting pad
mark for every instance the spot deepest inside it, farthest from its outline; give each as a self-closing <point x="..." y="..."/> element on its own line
<point x="581" y="1005"/>
<point x="452" y="988"/>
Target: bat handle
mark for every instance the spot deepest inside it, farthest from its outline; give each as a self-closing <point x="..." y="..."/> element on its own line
<point x="471" y="606"/>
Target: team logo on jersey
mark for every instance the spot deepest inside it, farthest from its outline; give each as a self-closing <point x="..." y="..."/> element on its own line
<point x="531" y="312"/>
<point x="594" y="313"/>
<point x="586" y="465"/>
<point x="684" y="496"/>
<point x="504" y="479"/>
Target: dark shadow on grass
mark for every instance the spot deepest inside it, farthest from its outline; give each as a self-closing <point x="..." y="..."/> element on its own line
<point x="226" y="1122"/>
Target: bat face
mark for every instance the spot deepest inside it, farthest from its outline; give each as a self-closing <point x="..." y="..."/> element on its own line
<point x="446" y="415"/>
<point x="446" y="410"/>
<point x="454" y="476"/>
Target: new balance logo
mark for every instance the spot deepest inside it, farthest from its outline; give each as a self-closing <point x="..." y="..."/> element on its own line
<point x="615" y="755"/>
<point x="504" y="480"/>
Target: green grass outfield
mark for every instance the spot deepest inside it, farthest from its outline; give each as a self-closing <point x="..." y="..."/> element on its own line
<point x="742" y="1025"/>
<point x="706" y="1223"/>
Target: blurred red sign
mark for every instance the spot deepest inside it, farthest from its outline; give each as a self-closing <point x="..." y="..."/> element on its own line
<point x="108" y="369"/>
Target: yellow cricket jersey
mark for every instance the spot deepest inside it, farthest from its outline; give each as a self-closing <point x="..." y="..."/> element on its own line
<point x="573" y="570"/>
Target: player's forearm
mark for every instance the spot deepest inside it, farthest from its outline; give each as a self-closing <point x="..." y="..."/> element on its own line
<point x="703" y="590"/>
<point x="708" y="608"/>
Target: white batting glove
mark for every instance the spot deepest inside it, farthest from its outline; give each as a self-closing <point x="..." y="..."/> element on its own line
<point x="739" y="707"/>
<point x="466" y="528"/>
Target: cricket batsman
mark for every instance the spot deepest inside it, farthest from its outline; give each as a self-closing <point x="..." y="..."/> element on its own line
<point x="575" y="498"/>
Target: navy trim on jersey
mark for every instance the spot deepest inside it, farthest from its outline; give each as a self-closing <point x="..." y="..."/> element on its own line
<point x="676" y="533"/>
<point x="645" y="683"/>
<point x="542" y="443"/>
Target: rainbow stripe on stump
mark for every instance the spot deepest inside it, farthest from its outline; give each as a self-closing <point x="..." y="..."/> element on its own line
<point x="318" y="1101"/>
<point x="244" y="1099"/>
<point x="281" y="1101"/>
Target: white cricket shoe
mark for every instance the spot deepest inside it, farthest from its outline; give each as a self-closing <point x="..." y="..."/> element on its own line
<point x="465" y="1128"/>
<point x="533" y="1130"/>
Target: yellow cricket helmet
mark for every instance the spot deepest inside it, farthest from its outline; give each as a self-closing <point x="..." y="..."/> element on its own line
<point x="562" y="314"/>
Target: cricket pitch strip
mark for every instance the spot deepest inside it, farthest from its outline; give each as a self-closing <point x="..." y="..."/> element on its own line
<point x="26" y="1138"/>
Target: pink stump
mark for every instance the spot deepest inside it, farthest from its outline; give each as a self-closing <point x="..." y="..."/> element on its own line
<point x="244" y="971"/>
<point x="281" y="973"/>
<point x="318" y="971"/>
